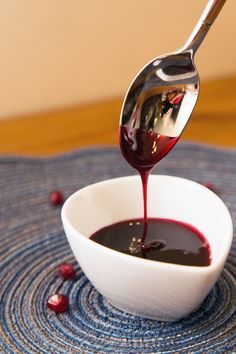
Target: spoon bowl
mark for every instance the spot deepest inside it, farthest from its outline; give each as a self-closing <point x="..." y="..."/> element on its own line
<point x="163" y="95"/>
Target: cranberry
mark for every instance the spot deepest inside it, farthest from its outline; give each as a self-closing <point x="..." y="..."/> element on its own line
<point x="58" y="303"/>
<point x="209" y="186"/>
<point x="67" y="271"/>
<point x="56" y="198"/>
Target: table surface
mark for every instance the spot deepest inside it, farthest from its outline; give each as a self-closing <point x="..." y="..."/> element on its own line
<point x="213" y="122"/>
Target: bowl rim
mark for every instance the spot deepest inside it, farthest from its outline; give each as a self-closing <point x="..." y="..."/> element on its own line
<point x="148" y="262"/>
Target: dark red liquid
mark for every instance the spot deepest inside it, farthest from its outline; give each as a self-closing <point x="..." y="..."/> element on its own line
<point x="143" y="150"/>
<point x="168" y="241"/>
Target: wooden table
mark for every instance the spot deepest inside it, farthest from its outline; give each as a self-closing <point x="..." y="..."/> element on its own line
<point x="213" y="122"/>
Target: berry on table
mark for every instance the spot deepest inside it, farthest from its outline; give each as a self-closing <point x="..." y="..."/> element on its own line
<point x="56" y="198"/>
<point x="58" y="303"/>
<point x="66" y="271"/>
<point x="209" y="186"/>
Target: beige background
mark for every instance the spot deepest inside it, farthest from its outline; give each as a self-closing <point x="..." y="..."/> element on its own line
<point x="56" y="53"/>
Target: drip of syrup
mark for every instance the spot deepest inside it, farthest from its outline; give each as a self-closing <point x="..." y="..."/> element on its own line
<point x="143" y="150"/>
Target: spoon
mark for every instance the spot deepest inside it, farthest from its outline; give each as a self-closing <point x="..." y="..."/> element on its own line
<point x="159" y="103"/>
<point x="162" y="96"/>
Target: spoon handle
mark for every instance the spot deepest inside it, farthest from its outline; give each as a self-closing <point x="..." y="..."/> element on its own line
<point x="207" y="18"/>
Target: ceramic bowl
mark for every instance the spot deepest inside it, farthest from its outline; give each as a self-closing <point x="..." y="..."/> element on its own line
<point x="156" y="290"/>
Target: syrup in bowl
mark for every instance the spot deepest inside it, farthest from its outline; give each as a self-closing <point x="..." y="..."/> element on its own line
<point x="177" y="242"/>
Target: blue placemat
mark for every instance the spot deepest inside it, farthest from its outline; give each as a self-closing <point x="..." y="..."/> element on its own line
<point x="33" y="244"/>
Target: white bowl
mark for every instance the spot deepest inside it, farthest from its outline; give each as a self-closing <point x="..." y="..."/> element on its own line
<point x="151" y="289"/>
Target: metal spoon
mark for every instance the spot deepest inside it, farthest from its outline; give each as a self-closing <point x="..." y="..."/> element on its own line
<point x="163" y="94"/>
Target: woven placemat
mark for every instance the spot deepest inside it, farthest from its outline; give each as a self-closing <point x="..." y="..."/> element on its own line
<point x="33" y="245"/>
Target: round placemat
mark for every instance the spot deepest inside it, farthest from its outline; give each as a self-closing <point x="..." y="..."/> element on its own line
<point x="33" y="245"/>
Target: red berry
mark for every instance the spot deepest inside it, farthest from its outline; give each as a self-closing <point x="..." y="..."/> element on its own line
<point x="67" y="271"/>
<point x="209" y="186"/>
<point x="58" y="303"/>
<point x="56" y="198"/>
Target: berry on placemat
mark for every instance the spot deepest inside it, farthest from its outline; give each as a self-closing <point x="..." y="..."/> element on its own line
<point x="209" y="186"/>
<point x="56" y="198"/>
<point x="58" y="303"/>
<point x="66" y="271"/>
